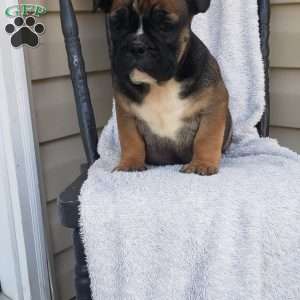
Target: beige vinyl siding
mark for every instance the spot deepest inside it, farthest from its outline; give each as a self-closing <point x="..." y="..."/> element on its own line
<point x="61" y="150"/>
<point x="285" y="72"/>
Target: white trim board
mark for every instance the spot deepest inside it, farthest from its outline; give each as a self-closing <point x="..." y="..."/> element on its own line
<point x="27" y="277"/>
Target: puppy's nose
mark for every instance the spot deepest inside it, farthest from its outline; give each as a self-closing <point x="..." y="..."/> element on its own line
<point x="138" y="48"/>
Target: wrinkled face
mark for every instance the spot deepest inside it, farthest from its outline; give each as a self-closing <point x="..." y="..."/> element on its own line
<point x="148" y="38"/>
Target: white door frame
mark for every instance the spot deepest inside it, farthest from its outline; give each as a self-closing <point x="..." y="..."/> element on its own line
<point x="26" y="272"/>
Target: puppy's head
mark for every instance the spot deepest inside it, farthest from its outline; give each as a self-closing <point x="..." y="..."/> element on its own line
<point x="149" y="36"/>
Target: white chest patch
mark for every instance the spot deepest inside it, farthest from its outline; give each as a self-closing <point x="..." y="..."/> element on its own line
<point x="162" y="109"/>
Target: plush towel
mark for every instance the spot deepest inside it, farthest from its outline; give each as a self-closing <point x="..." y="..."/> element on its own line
<point x="163" y="235"/>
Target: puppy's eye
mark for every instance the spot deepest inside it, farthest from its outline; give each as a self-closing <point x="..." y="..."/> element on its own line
<point x="119" y="19"/>
<point x="166" y="26"/>
<point x="124" y="20"/>
<point x="116" y="24"/>
<point x="158" y="15"/>
<point x="163" y="21"/>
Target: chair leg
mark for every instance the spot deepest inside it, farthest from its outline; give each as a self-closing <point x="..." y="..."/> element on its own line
<point x="82" y="279"/>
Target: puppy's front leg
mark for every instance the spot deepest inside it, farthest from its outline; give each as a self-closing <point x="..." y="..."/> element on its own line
<point x="132" y="145"/>
<point x="208" y="143"/>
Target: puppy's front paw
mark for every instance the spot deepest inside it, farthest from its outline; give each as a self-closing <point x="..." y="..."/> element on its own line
<point x="200" y="168"/>
<point x="130" y="166"/>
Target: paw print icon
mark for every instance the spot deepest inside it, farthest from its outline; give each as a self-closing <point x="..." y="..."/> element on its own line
<point x="25" y="31"/>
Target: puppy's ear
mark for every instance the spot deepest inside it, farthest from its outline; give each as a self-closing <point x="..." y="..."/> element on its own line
<point x="104" y="5"/>
<point x="198" y="6"/>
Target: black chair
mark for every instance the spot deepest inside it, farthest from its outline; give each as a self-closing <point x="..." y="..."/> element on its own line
<point x="68" y="200"/>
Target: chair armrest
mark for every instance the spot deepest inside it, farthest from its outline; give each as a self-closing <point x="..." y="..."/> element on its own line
<point x="264" y="29"/>
<point x="68" y="202"/>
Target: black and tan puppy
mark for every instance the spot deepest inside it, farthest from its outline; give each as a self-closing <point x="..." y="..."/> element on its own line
<point x="171" y="101"/>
